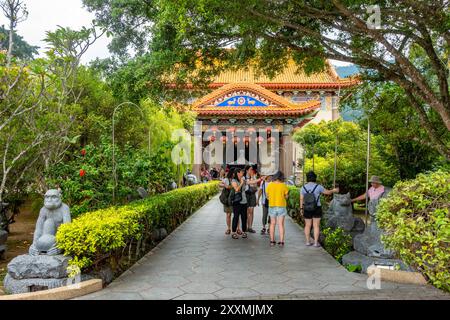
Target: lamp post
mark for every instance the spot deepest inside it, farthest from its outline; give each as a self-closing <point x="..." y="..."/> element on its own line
<point x="367" y="169"/>
<point x="113" y="143"/>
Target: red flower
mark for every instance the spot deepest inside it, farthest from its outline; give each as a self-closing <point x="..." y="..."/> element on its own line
<point x="83" y="152"/>
<point x="82" y="173"/>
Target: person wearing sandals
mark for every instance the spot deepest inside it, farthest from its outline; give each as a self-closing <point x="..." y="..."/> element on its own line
<point x="226" y="183"/>
<point x="277" y="193"/>
<point x="265" y="203"/>
<point x="311" y="208"/>
<point x="239" y="208"/>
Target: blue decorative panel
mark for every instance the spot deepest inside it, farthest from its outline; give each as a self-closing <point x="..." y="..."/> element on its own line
<point x="241" y="101"/>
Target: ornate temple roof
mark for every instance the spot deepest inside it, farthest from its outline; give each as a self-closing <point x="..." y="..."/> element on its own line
<point x="249" y="99"/>
<point x="289" y="78"/>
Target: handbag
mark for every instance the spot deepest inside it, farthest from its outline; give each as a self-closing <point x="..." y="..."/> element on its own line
<point x="237" y="197"/>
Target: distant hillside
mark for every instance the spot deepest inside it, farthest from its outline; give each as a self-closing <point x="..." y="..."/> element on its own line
<point x="346" y="71"/>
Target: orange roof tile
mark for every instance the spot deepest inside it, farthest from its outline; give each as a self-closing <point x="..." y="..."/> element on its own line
<point x="290" y="78"/>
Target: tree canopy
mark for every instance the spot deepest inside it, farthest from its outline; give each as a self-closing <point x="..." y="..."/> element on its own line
<point x="177" y="37"/>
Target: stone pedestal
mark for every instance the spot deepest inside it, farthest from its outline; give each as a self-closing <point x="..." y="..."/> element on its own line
<point x="28" y="273"/>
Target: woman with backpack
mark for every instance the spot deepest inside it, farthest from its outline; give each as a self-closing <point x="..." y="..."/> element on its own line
<point x="226" y="185"/>
<point x="238" y="200"/>
<point x="311" y="208"/>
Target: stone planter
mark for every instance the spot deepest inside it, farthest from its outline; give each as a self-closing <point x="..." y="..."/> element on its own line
<point x="398" y="276"/>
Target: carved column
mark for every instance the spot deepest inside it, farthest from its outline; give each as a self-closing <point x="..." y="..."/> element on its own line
<point x="287" y="156"/>
<point x="198" y="150"/>
<point x="335" y="108"/>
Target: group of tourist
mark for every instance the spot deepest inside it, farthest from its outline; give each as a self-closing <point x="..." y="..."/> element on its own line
<point x="249" y="190"/>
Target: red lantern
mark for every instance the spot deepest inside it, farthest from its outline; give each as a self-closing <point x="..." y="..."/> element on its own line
<point x="236" y="140"/>
<point x="213" y="129"/>
<point x="260" y="140"/>
<point x="83" y="152"/>
<point x="212" y="138"/>
<point x="269" y="130"/>
<point x="271" y="140"/>
<point x="224" y="139"/>
<point x="82" y="173"/>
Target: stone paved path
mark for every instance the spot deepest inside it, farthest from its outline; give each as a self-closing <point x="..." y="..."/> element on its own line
<point x="197" y="261"/>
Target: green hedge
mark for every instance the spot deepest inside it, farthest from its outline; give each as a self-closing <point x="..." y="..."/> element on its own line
<point x="109" y="235"/>
<point x="293" y="204"/>
<point x="416" y="219"/>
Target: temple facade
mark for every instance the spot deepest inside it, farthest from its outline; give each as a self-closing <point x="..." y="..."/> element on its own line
<point x="248" y="118"/>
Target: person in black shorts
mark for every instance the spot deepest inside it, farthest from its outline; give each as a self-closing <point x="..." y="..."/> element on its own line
<point x="312" y="217"/>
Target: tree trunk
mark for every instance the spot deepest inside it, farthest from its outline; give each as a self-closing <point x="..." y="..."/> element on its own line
<point x="10" y="46"/>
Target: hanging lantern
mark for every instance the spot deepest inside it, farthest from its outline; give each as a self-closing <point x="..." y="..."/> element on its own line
<point x="269" y="130"/>
<point x="236" y="140"/>
<point x="212" y="138"/>
<point x="246" y="140"/>
<point x="224" y="139"/>
<point x="271" y="140"/>
<point x="260" y="140"/>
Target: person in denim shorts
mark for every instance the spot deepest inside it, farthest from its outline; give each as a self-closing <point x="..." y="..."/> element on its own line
<point x="312" y="218"/>
<point x="277" y="193"/>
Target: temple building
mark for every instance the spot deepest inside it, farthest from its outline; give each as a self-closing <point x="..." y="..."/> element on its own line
<point x="245" y="109"/>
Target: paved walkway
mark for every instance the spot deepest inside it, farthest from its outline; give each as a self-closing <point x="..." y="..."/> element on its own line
<point x="197" y="261"/>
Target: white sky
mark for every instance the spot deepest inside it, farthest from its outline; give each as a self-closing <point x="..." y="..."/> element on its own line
<point x="46" y="15"/>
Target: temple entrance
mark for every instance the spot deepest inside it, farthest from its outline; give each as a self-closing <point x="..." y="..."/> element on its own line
<point x="242" y="147"/>
<point x="246" y="124"/>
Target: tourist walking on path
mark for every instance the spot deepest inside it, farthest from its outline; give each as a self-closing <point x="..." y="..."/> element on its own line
<point x="311" y="208"/>
<point x="226" y="184"/>
<point x="262" y="195"/>
<point x="252" y="182"/>
<point x="277" y="193"/>
<point x="240" y="203"/>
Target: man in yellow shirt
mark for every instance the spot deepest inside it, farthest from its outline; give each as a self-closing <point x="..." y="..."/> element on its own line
<point x="277" y="193"/>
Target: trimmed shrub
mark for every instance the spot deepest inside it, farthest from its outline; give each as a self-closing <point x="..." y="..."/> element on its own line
<point x="416" y="219"/>
<point x="337" y="242"/>
<point x="293" y="205"/>
<point x="109" y="235"/>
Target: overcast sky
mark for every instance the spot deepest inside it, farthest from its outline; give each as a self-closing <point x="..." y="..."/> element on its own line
<point x="46" y="15"/>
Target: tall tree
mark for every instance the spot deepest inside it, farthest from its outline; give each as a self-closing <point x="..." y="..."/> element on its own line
<point x="15" y="11"/>
<point x="376" y="35"/>
<point x="22" y="49"/>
